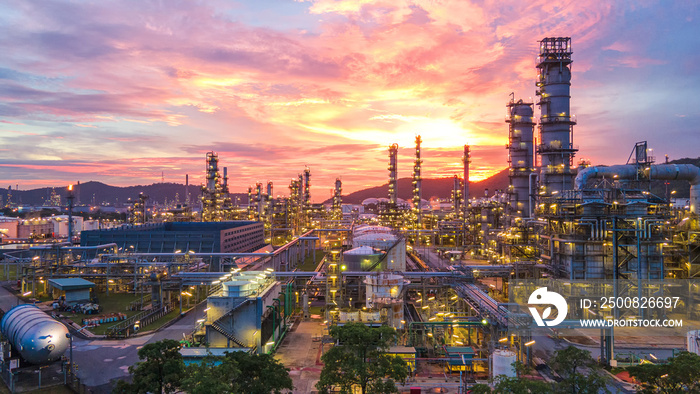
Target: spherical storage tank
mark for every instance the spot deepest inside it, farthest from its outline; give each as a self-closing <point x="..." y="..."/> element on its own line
<point x="38" y="338"/>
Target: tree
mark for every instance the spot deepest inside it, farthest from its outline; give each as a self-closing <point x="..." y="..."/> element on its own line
<point x="211" y="376"/>
<point x="680" y="375"/>
<point x="257" y="374"/>
<point x="570" y="364"/>
<point x="514" y="385"/>
<point x="159" y="373"/>
<point x="360" y="359"/>
<point x="506" y="385"/>
<point x="237" y="372"/>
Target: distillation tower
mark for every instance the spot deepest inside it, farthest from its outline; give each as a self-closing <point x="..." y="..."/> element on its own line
<point x="211" y="192"/>
<point x="393" y="189"/>
<point x="520" y="157"/>
<point x="307" y="188"/>
<point x="556" y="147"/>
<point x="337" y="200"/>
<point x="466" y="159"/>
<point x="417" y="190"/>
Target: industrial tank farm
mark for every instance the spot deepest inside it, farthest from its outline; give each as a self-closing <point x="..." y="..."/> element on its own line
<point x="38" y="338"/>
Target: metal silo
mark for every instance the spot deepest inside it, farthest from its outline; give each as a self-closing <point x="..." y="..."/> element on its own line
<point x="38" y="338"/>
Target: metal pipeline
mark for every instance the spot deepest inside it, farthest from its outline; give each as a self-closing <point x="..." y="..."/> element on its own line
<point x="666" y="172"/>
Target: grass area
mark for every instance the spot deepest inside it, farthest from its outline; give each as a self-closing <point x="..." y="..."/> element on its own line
<point x="115" y="302"/>
<point x="315" y="310"/>
<point x="161" y="322"/>
<point x="309" y="264"/>
<point x="12" y="274"/>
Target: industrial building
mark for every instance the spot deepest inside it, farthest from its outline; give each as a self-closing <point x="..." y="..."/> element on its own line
<point x="169" y="237"/>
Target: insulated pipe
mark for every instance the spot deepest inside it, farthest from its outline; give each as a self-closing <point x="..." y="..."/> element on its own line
<point x="665" y="172"/>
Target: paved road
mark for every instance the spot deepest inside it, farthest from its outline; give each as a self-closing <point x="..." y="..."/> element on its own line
<point x="101" y="361"/>
<point x="301" y="354"/>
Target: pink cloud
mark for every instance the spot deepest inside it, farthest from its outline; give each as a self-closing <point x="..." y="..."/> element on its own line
<point x="187" y="78"/>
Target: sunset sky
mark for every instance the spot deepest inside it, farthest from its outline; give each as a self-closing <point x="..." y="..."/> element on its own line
<point x="122" y="91"/>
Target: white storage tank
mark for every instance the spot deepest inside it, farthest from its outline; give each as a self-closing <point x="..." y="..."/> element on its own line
<point x="502" y="363"/>
<point x="693" y="341"/>
<point x="383" y="288"/>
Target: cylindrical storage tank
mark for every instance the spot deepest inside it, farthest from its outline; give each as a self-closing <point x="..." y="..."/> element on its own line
<point x="361" y="258"/>
<point x="693" y="341"/>
<point x="502" y="363"/>
<point x="38" y="338"/>
<point x="384" y="286"/>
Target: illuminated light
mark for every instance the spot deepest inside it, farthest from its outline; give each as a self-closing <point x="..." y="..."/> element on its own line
<point x="425" y="307"/>
<point x="270" y="343"/>
<point x="503" y="340"/>
<point x="27" y="293"/>
<point x="529" y="343"/>
<point x="430" y="334"/>
<point x="216" y="282"/>
<point x="484" y="321"/>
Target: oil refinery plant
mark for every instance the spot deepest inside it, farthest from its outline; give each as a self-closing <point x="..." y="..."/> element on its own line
<point x="446" y="279"/>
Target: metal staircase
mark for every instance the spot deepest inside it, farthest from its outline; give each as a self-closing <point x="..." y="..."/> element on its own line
<point x="219" y="324"/>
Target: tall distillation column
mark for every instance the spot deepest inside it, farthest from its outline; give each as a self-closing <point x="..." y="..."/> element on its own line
<point x="556" y="124"/>
<point x="293" y="205"/>
<point x="211" y="191"/>
<point x="520" y="156"/>
<point x="456" y="197"/>
<point x="393" y="158"/>
<point x="337" y="200"/>
<point x="307" y="188"/>
<point x="466" y="160"/>
<point x="417" y="190"/>
<point x="259" y="202"/>
<point x="225" y="194"/>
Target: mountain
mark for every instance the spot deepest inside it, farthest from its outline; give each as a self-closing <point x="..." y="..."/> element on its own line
<point x="99" y="193"/>
<point x="435" y="187"/>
